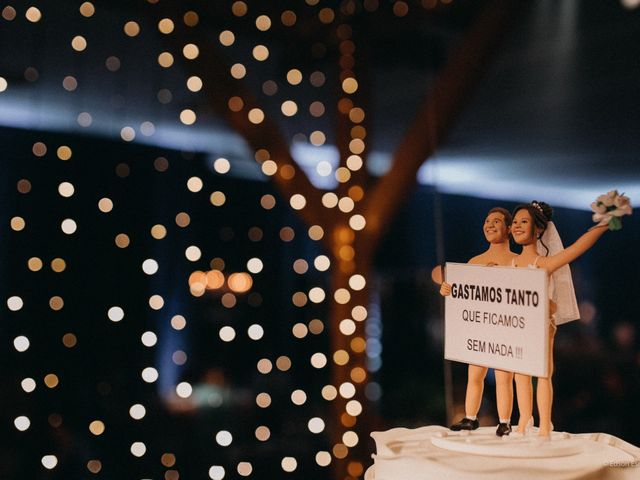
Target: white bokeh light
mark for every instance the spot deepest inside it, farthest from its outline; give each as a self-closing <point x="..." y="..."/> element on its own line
<point x="22" y="423"/>
<point x="15" y="303"/>
<point x="21" y="343"/>
<point x="350" y="439"/>
<point x="216" y="472"/>
<point x="149" y="374"/>
<point x="298" y="397"/>
<point x="224" y="438"/>
<point x="353" y="408"/>
<point x="227" y="334"/>
<point x="28" y="384"/>
<point x="195" y="184"/>
<point x="289" y="464"/>
<point x="149" y="266"/>
<point x="324" y="168"/>
<point x="254" y="265"/>
<point x="317" y="295"/>
<point x="68" y="226"/>
<point x="66" y="189"/>
<point x="357" y="282"/>
<point x="115" y="314"/>
<point x="347" y="390"/>
<point x="318" y="360"/>
<point x="255" y="332"/>
<point x="297" y="201"/>
<point x="347" y="326"/>
<point x="315" y="425"/>
<point x="137" y="411"/>
<point x="184" y="389"/>
<point x="49" y="461"/>
<point x="322" y="263"/>
<point x="138" y="449"/>
<point x="221" y="165"/>
<point x="193" y="253"/>
<point x="323" y="458"/>
<point x="127" y="134"/>
<point x="149" y="339"/>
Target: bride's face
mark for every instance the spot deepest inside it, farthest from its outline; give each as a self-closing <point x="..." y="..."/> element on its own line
<point x="523" y="229"/>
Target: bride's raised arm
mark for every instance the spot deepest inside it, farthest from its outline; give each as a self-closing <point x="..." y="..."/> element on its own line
<point x="573" y="251"/>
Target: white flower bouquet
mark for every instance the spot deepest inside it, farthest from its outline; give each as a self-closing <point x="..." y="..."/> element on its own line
<point x="609" y="208"/>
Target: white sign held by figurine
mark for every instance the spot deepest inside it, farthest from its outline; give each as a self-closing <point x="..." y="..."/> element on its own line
<point x="497" y="317"/>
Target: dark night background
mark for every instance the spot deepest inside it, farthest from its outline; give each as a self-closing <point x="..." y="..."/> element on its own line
<point x="555" y="118"/>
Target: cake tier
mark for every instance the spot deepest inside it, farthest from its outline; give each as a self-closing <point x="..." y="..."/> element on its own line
<point x="437" y="453"/>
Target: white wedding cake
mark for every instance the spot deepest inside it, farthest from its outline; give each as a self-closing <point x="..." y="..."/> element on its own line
<point x="437" y="453"/>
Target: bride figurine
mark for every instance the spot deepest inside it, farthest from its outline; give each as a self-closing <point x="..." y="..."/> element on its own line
<point x="533" y="229"/>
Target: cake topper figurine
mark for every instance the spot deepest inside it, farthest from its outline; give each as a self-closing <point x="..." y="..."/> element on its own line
<point x="496" y="231"/>
<point x="533" y="229"/>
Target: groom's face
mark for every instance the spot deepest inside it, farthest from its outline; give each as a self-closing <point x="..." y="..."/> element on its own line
<point x="495" y="229"/>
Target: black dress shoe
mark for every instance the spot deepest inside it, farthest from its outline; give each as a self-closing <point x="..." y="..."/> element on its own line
<point x="503" y="429"/>
<point x="465" y="424"/>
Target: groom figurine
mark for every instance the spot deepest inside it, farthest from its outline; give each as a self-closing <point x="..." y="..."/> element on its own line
<point x="496" y="231"/>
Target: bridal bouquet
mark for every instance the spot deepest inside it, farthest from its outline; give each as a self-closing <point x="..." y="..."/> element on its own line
<point x="609" y="208"/>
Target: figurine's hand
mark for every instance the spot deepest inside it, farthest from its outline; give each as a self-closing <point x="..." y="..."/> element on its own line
<point x="445" y="289"/>
<point x="437" y="273"/>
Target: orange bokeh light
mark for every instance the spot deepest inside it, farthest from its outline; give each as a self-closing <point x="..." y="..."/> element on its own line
<point x="214" y="279"/>
<point x="240" y="282"/>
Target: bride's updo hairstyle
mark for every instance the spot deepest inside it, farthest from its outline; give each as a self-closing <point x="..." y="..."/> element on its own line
<point x="541" y="214"/>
